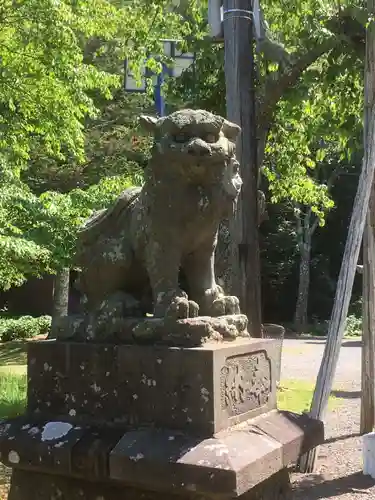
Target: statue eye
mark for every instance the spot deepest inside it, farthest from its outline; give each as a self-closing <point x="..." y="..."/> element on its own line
<point x="211" y="138"/>
<point x="180" y="138"/>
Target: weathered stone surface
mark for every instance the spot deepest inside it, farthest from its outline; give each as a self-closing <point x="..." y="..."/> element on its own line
<point x="45" y="445"/>
<point x="189" y="332"/>
<point x="203" y="389"/>
<point x="229" y="464"/>
<point x="133" y="255"/>
<point x="27" y="485"/>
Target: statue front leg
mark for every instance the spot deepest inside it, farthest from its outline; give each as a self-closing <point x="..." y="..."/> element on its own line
<point x="199" y="268"/>
<point x="163" y="265"/>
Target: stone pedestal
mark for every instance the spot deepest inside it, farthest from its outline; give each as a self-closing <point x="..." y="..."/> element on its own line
<point x="105" y="421"/>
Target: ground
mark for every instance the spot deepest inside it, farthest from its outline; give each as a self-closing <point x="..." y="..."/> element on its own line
<point x="338" y="475"/>
<point x="339" y="467"/>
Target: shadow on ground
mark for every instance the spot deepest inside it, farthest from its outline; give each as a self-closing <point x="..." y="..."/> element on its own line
<point x="12" y="353"/>
<point x="316" y="487"/>
<point x="341" y="438"/>
<point x="352" y="343"/>
<point x="346" y="394"/>
<point x="345" y="343"/>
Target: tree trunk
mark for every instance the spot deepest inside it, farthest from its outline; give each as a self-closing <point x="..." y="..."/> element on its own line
<point x="300" y="316"/>
<point x="60" y="297"/>
<point x="305" y="231"/>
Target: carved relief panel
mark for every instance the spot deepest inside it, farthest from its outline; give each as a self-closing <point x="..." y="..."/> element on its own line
<point x="245" y="383"/>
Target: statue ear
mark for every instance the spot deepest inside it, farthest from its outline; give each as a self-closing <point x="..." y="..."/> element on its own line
<point x="231" y="130"/>
<point x="149" y="123"/>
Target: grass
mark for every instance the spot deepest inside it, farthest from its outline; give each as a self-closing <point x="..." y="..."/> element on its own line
<point x="13" y="379"/>
<point x="296" y="396"/>
<point x="12" y="356"/>
<point x="13" y="387"/>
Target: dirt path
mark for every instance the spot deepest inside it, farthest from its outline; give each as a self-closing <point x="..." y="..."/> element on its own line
<point x="340" y="458"/>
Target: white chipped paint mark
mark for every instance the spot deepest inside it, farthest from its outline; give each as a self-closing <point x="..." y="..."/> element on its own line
<point x="82" y="366"/>
<point x="135" y="397"/>
<point x="10" y="438"/>
<point x="137" y="457"/>
<point x="220" y="449"/>
<point x="13" y="457"/>
<point x="95" y="387"/>
<point x="143" y="378"/>
<point x="25" y="427"/>
<point x="60" y="444"/>
<point x="73" y="399"/>
<point x="171" y="438"/>
<point x="107" y="374"/>
<point x="189" y="420"/>
<point x="48" y="403"/>
<point x="115" y="392"/>
<point x="159" y="361"/>
<point x="34" y="431"/>
<point x="55" y="430"/>
<point x="46" y="367"/>
<point x="212" y="475"/>
<point x="204" y="462"/>
<point x="72" y="412"/>
<point x="205" y="394"/>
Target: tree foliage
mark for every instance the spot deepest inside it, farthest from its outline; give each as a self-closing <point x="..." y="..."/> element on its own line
<point x="38" y="233"/>
<point x="48" y="74"/>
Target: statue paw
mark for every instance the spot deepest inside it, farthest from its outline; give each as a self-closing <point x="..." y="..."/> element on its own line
<point x="218" y="304"/>
<point x="228" y="304"/>
<point x="182" y="308"/>
<point x="176" y="305"/>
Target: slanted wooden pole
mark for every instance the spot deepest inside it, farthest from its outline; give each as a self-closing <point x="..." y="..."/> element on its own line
<point x="368" y="271"/>
<point x="240" y="98"/>
<point x="343" y="293"/>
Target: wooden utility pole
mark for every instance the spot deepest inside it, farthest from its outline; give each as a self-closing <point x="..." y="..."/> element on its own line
<point x="240" y="98"/>
<point x="368" y="296"/>
<point x="343" y="292"/>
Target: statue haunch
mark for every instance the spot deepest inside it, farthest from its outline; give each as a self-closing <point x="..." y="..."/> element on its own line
<point x="132" y="256"/>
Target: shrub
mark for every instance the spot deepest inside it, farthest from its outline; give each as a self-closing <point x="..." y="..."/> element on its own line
<point x="24" y="327"/>
<point x="353" y="326"/>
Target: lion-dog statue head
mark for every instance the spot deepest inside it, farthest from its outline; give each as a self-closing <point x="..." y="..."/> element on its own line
<point x="197" y="147"/>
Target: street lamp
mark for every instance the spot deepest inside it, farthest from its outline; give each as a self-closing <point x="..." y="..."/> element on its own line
<point x="181" y="61"/>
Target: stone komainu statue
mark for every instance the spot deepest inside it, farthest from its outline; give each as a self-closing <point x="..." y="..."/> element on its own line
<point x="135" y="255"/>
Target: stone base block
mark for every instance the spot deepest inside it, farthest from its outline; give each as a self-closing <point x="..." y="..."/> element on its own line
<point x="27" y="485"/>
<point x="228" y="464"/>
<point x="201" y="390"/>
